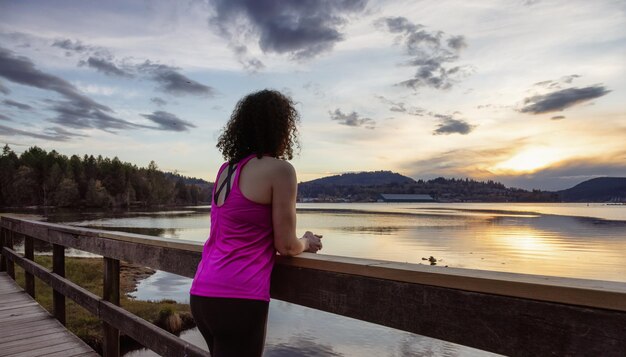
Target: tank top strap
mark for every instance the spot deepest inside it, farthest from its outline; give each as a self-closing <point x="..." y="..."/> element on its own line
<point x="217" y="178"/>
<point x="240" y="166"/>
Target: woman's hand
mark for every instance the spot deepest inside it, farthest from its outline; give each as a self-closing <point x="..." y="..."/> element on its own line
<point x="312" y="242"/>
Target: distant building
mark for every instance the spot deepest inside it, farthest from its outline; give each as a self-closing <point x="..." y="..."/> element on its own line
<point x="386" y="197"/>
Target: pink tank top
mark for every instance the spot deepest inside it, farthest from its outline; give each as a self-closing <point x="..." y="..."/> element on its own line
<point x="238" y="257"/>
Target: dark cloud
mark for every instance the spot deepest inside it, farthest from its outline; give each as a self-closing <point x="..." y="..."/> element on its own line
<point x="302" y="29"/>
<point x="105" y="66"/>
<point x="172" y="82"/>
<point x="248" y="62"/>
<point x="558" y="117"/>
<point x="449" y="125"/>
<point x="4" y="117"/>
<point x="168" y="121"/>
<point x="352" y="119"/>
<point x="431" y="55"/>
<point x="562" y="99"/>
<point x="77" y="111"/>
<point x="457" y="42"/>
<point x="18" y="105"/>
<point x="158" y="101"/>
<point x="168" y="78"/>
<point x="54" y="133"/>
<point x="4" y="90"/>
<point x="70" y="45"/>
<point x="78" y="47"/>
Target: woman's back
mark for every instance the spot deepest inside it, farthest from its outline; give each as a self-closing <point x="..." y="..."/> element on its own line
<point x="237" y="258"/>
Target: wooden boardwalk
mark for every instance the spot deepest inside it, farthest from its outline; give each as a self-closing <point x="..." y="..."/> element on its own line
<point x="27" y="330"/>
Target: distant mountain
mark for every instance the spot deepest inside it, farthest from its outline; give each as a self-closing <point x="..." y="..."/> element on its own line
<point x="370" y="178"/>
<point x="601" y="189"/>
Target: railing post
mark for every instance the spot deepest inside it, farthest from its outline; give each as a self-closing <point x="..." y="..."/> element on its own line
<point x="29" y="253"/>
<point x="58" y="268"/>
<point x="3" y="263"/>
<point x="8" y="242"/>
<point x="111" y="293"/>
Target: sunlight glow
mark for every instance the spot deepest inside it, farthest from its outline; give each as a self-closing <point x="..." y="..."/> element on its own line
<point x="530" y="160"/>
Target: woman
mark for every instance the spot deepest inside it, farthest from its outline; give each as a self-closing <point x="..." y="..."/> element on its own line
<point x="253" y="215"/>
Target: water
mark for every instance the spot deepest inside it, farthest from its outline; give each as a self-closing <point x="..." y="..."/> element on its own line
<point x="571" y="240"/>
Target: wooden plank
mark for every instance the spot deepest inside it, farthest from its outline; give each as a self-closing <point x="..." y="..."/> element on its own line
<point x="44" y="350"/>
<point x="27" y="335"/>
<point x="23" y="331"/>
<point x="76" y="351"/>
<point x="18" y="311"/>
<point x="33" y="342"/>
<point x="58" y="268"/>
<point x="505" y="325"/>
<point x="3" y="264"/>
<point x="29" y="253"/>
<point x="111" y="293"/>
<point x="18" y="305"/>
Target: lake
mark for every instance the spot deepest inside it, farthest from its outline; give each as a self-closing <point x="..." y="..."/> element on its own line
<point x="569" y="240"/>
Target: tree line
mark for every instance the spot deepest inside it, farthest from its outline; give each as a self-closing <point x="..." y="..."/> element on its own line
<point x="441" y="189"/>
<point x="41" y="178"/>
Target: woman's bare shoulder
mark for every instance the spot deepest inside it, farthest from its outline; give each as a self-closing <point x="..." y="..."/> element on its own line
<point x="278" y="167"/>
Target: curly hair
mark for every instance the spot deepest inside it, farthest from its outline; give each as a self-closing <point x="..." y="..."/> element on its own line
<point x="263" y="123"/>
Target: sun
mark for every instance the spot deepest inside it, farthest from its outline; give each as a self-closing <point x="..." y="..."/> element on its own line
<point x="530" y="160"/>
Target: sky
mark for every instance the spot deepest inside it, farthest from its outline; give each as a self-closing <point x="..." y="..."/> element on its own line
<point x="529" y="93"/>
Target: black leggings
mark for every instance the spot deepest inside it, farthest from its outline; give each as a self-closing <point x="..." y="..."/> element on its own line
<point x="231" y="327"/>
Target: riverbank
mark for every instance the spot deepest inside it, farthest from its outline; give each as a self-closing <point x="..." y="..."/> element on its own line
<point x="88" y="273"/>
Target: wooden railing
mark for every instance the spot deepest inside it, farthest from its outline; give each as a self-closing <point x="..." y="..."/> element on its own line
<point x="511" y="314"/>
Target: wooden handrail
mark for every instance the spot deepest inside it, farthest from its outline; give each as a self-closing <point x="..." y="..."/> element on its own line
<point x="513" y="314"/>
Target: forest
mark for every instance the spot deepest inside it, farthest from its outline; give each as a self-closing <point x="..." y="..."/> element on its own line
<point x="41" y="178"/>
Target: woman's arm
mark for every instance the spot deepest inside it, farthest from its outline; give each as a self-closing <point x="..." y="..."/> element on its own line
<point x="284" y="192"/>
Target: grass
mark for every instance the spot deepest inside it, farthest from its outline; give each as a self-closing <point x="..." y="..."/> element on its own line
<point x="88" y="273"/>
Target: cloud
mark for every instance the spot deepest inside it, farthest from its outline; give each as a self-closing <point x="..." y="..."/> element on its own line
<point x="4" y="90"/>
<point x="172" y="82"/>
<point x="105" y="66"/>
<point x="168" y="121"/>
<point x="301" y="29"/>
<point x="70" y="45"/>
<point x="400" y="107"/>
<point x="17" y="105"/>
<point x="54" y="133"/>
<point x="4" y="117"/>
<point x="430" y="54"/>
<point x="168" y="78"/>
<point x="158" y="101"/>
<point x="77" y="111"/>
<point x="557" y="83"/>
<point x="562" y="99"/>
<point x="450" y="125"/>
<point x="353" y="119"/>
<point x="249" y="63"/>
<point x="558" y="117"/>
<point x="78" y="47"/>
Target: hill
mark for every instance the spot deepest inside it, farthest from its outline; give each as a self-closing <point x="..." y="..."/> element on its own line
<point x="368" y="186"/>
<point x="362" y="179"/>
<point x="601" y="189"/>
